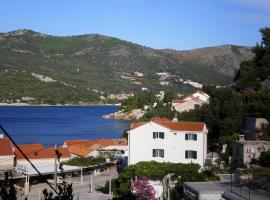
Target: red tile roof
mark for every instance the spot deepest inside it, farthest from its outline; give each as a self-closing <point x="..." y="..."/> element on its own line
<point x="162" y="119"/>
<point x="72" y="142"/>
<point x="28" y="148"/>
<point x="80" y="150"/>
<point x="45" y="153"/>
<point x="183" y="126"/>
<point x="84" y="147"/>
<point x="6" y="148"/>
<point x="175" y="126"/>
<point x="31" y="146"/>
<point x="137" y="124"/>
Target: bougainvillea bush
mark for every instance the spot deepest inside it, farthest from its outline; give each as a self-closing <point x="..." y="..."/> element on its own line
<point x="143" y="190"/>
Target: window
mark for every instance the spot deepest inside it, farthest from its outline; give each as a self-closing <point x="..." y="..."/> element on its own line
<point x="190" y="154"/>
<point x="158" y="153"/>
<point x="158" y="135"/>
<point x="191" y="136"/>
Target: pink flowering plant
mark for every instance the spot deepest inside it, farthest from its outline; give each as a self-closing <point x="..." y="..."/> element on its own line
<point x="143" y="190"/>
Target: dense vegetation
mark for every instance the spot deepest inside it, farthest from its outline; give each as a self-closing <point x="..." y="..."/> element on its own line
<point x="89" y="66"/>
<point x="85" y="161"/>
<point x="228" y="106"/>
<point x="264" y="159"/>
<point x="155" y="171"/>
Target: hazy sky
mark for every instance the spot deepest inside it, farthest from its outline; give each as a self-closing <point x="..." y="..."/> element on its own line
<point x="177" y="24"/>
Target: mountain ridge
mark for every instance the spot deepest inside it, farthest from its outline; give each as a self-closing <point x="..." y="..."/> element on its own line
<point x="96" y="65"/>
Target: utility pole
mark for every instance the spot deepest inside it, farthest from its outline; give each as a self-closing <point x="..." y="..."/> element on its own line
<point x="91" y="183"/>
<point x="110" y="187"/>
<point x="81" y="175"/>
<point x="55" y="169"/>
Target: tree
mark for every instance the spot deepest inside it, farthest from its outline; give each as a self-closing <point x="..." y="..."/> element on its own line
<point x="7" y="188"/>
<point x="143" y="190"/>
<point x="65" y="193"/>
<point x="253" y="72"/>
<point x="169" y="96"/>
<point x="264" y="159"/>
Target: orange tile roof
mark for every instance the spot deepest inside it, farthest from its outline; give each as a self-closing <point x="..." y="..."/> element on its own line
<point x="45" y="153"/>
<point x="31" y="146"/>
<point x="137" y="124"/>
<point x="162" y="119"/>
<point x="101" y="142"/>
<point x="72" y="142"/>
<point x="175" y="126"/>
<point x="182" y="126"/>
<point x="28" y="148"/>
<point x="80" y="150"/>
<point x="6" y="148"/>
<point x="84" y="147"/>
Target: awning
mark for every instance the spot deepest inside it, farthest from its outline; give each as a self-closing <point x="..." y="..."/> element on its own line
<point x="44" y="168"/>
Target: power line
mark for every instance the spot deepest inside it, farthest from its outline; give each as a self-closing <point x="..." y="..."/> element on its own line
<point x="14" y="143"/>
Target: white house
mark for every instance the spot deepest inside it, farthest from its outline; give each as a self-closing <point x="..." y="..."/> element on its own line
<point x="6" y="154"/>
<point x="201" y="95"/>
<point x="163" y="140"/>
<point x="190" y="102"/>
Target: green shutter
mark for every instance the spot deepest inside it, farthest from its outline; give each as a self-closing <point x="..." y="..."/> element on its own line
<point x="161" y="135"/>
<point x="195" y="137"/>
<point x="162" y="153"/>
<point x="194" y="154"/>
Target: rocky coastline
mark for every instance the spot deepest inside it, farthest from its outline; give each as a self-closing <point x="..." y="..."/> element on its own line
<point x="122" y="115"/>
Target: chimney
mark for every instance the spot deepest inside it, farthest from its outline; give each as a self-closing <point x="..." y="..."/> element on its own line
<point x="175" y="119"/>
<point x="241" y="138"/>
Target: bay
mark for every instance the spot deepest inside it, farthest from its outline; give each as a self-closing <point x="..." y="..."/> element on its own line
<point x="51" y="125"/>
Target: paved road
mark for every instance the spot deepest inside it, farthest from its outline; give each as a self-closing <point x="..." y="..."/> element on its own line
<point x="80" y="190"/>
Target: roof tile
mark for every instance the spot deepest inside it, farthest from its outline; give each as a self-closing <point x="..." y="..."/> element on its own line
<point x="5" y="147"/>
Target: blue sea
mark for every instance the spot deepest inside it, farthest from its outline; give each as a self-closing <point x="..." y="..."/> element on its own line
<point x="55" y="124"/>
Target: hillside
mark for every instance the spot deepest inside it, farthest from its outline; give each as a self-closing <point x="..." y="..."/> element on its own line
<point x="82" y="68"/>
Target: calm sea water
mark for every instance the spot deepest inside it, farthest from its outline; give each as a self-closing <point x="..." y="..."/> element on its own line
<point x="54" y="124"/>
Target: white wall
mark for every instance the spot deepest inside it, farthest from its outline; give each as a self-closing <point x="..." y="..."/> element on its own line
<point x="6" y="162"/>
<point x="185" y="106"/>
<point x="39" y="161"/>
<point x="202" y="97"/>
<point x="211" y="196"/>
<point x="141" y="144"/>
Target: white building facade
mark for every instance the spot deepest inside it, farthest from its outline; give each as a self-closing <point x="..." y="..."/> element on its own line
<point x="190" y="102"/>
<point x="167" y="141"/>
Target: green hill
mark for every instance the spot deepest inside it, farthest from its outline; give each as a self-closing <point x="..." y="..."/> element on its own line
<point x="82" y="68"/>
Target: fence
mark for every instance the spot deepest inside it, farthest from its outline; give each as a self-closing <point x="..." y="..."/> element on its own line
<point x="245" y="187"/>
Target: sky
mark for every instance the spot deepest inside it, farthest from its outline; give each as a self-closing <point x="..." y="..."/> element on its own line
<point x="161" y="24"/>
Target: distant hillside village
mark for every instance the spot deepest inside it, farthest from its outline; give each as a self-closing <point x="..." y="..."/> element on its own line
<point x="211" y="144"/>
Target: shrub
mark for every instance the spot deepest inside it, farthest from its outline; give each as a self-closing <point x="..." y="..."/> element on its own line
<point x="264" y="159"/>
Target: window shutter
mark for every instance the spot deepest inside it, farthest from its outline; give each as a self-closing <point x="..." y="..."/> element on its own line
<point x="161" y="135"/>
<point x="194" y="154"/>
<point x="195" y="137"/>
<point x="154" y="135"/>
<point x="186" y="154"/>
<point x="186" y="136"/>
<point x="154" y="153"/>
<point x="162" y="153"/>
